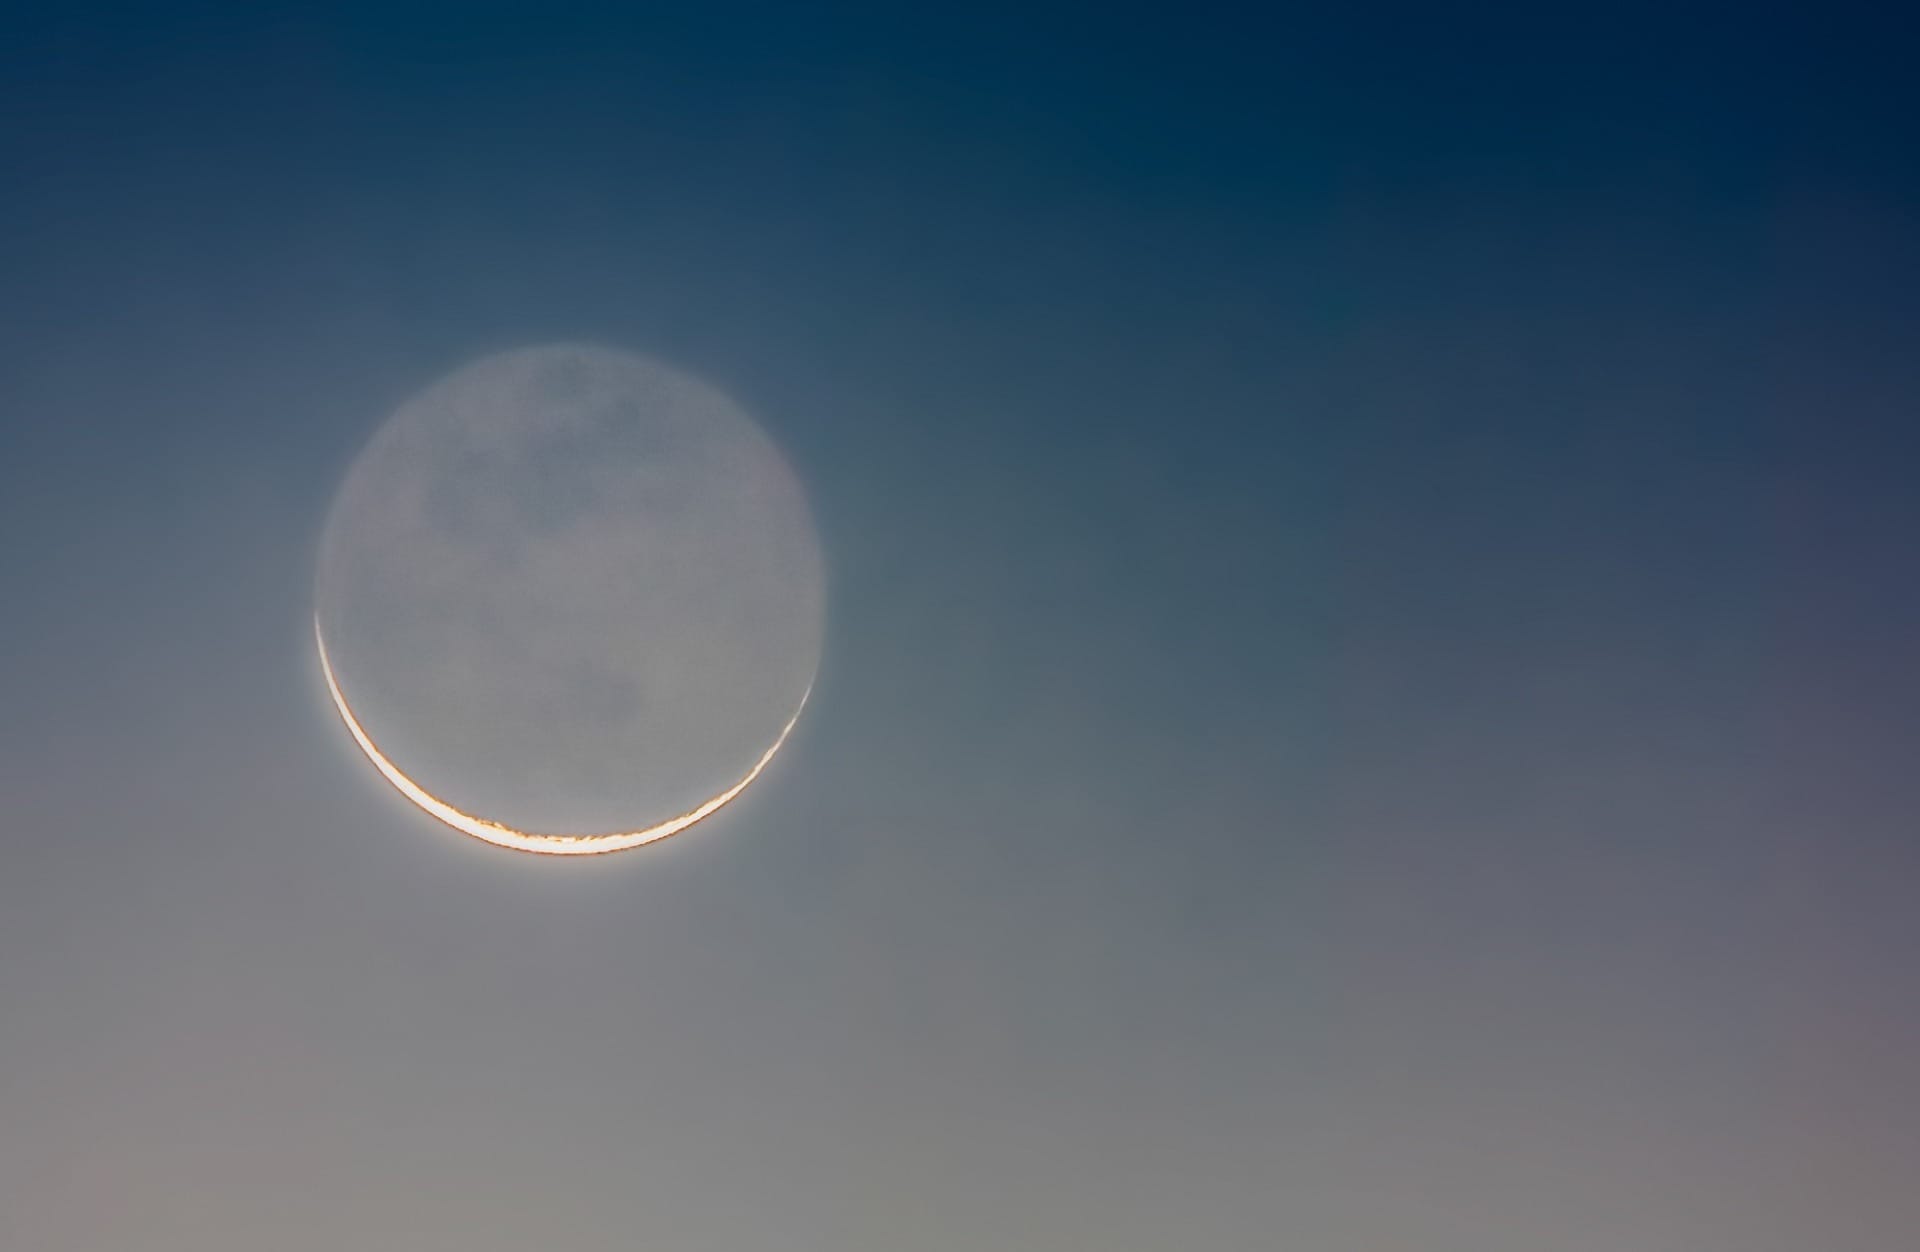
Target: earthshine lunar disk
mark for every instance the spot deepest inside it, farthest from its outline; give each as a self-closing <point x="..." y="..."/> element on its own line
<point x="569" y="600"/>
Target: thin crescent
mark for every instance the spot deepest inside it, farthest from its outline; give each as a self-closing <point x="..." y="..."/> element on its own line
<point x="525" y="841"/>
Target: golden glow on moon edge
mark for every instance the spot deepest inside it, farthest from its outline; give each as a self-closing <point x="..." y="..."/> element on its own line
<point x="525" y="841"/>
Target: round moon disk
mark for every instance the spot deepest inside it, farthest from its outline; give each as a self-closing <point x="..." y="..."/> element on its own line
<point x="569" y="600"/>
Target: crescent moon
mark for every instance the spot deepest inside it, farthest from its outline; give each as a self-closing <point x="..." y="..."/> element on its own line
<point x="529" y="841"/>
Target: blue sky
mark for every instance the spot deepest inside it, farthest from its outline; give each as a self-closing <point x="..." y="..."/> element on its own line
<point x="1368" y="697"/>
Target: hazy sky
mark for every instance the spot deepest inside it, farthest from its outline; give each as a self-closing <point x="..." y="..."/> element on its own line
<point x="1370" y="698"/>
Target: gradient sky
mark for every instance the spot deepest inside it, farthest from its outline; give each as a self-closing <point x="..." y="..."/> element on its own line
<point x="1370" y="700"/>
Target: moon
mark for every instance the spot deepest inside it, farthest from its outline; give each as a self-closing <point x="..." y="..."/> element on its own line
<point x="569" y="600"/>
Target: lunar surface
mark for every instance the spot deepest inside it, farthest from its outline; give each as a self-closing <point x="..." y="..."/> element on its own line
<point x="569" y="600"/>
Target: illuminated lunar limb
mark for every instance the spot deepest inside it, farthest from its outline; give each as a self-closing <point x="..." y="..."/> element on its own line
<point x="528" y="841"/>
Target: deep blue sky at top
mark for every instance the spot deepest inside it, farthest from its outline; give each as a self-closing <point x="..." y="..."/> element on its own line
<point x="1300" y="167"/>
<point x="1187" y="193"/>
